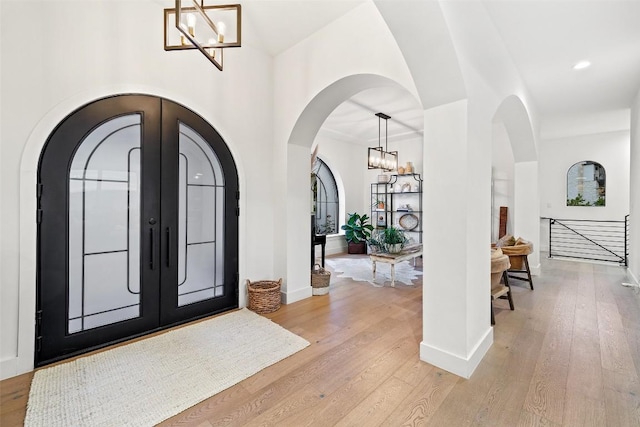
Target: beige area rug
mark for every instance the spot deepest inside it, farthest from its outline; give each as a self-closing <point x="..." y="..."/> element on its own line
<point x="360" y="270"/>
<point x="145" y="382"/>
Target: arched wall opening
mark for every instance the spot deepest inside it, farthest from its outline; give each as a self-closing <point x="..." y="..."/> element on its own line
<point x="514" y="116"/>
<point x="299" y="147"/>
<point x="519" y="176"/>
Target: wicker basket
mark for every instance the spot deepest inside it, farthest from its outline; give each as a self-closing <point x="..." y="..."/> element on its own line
<point x="264" y="296"/>
<point x="320" y="279"/>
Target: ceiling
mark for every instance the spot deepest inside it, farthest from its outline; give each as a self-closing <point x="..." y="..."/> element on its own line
<point x="543" y="38"/>
<point x="546" y="38"/>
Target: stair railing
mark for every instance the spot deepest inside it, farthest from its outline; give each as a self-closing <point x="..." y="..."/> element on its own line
<point x="590" y="239"/>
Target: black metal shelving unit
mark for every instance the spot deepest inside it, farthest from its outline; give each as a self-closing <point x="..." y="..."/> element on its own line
<point x="389" y="202"/>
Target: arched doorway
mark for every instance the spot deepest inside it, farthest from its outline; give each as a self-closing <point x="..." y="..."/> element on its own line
<point x="137" y="224"/>
<point x="515" y="163"/>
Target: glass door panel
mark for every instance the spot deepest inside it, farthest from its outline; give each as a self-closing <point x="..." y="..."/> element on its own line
<point x="104" y="226"/>
<point x="200" y="220"/>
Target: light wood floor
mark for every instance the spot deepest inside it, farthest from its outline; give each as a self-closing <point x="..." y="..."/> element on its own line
<point x="568" y="355"/>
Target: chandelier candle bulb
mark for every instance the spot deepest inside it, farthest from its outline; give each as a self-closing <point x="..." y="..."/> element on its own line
<point x="191" y="24"/>
<point x="222" y="28"/>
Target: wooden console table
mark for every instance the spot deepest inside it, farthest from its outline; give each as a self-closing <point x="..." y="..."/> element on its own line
<point x="410" y="252"/>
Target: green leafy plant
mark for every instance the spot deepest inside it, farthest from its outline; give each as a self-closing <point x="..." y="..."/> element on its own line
<point x="376" y="242"/>
<point x="381" y="239"/>
<point x="394" y="236"/>
<point x="357" y="229"/>
<point x="578" y="201"/>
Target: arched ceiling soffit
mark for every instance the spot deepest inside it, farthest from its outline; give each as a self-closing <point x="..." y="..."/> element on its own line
<point x="514" y="116"/>
<point x="423" y="37"/>
<point x="319" y="108"/>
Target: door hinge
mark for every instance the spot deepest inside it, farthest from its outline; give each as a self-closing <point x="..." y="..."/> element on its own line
<point x="38" y="343"/>
<point x="39" y="216"/>
<point x="237" y="211"/>
<point x="237" y="195"/>
<point x="39" y="190"/>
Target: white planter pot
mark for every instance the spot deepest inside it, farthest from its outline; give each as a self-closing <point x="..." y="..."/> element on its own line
<point x="394" y="249"/>
<point x="321" y="291"/>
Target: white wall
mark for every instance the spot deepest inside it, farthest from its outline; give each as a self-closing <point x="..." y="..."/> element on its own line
<point x="347" y="162"/>
<point x="610" y="149"/>
<point x="634" y="196"/>
<point x="92" y="49"/>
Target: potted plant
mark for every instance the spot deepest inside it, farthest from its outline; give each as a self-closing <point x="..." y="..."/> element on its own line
<point x="375" y="241"/>
<point x="390" y="240"/>
<point x="357" y="232"/>
<point x="394" y="239"/>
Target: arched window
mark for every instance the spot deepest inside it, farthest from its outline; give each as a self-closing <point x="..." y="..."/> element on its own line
<point x="325" y="198"/>
<point x="586" y="184"/>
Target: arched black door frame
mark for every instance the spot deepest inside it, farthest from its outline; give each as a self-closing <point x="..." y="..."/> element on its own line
<point x="160" y="120"/>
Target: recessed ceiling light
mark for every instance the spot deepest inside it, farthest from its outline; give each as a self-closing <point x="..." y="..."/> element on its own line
<point x="581" y="65"/>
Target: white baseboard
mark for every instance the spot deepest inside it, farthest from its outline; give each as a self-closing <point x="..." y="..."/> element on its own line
<point x="335" y="245"/>
<point x="535" y="269"/>
<point x="296" y="295"/>
<point x="8" y="368"/>
<point x="463" y="367"/>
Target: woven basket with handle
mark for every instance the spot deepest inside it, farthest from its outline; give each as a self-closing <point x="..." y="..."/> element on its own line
<point x="320" y="279"/>
<point x="264" y="296"/>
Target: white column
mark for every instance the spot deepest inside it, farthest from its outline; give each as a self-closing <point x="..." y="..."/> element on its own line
<point x="456" y="205"/>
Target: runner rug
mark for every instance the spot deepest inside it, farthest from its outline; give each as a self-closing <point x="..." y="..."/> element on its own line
<point x="148" y="381"/>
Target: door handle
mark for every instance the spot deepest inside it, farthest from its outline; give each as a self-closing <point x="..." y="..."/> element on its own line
<point x="168" y="252"/>
<point x="152" y="249"/>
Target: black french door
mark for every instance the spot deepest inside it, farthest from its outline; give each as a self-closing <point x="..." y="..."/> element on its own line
<point x="137" y="224"/>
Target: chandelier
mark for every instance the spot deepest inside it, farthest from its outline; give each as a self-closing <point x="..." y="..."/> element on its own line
<point x="210" y="29"/>
<point x="379" y="158"/>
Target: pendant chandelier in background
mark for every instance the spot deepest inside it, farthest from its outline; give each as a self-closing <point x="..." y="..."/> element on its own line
<point x="379" y="158"/>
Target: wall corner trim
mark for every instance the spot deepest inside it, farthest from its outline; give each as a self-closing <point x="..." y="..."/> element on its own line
<point x="463" y="367"/>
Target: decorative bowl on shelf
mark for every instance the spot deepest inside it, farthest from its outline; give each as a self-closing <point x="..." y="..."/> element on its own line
<point x="408" y="221"/>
